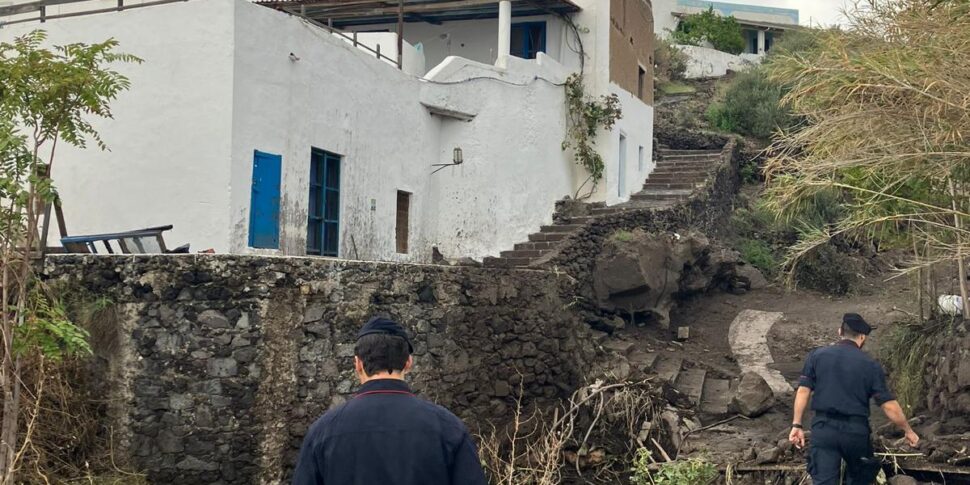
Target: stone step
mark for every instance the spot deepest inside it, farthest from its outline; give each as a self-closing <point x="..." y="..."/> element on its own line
<point x="580" y="220"/>
<point x="691" y="383"/>
<point x="548" y="236"/>
<point x="607" y="211"/>
<point x="668" y="152"/>
<point x="706" y="160"/>
<point x="528" y="246"/>
<point x="525" y="253"/>
<point x="655" y="195"/>
<point x="668" y="367"/>
<point x="683" y="166"/>
<point x="677" y="171"/>
<point x="677" y="177"/>
<point x="686" y="162"/>
<point x="658" y="184"/>
<point x="560" y="228"/>
<point x="493" y="262"/>
<point x="716" y="398"/>
<point x="643" y="360"/>
<point x="622" y="347"/>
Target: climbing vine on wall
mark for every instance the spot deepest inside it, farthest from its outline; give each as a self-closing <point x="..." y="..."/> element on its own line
<point x="585" y="117"/>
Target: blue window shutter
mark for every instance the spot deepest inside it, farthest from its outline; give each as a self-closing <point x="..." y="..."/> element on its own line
<point x="264" y="206"/>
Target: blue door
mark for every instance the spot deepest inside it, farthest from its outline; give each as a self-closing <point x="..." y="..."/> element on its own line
<point x="264" y="206"/>
<point x="323" y="222"/>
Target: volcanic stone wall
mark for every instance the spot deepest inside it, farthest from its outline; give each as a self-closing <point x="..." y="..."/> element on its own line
<point x="222" y="362"/>
<point x="947" y="376"/>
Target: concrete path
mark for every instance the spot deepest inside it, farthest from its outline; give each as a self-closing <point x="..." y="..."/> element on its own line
<point x="748" y="338"/>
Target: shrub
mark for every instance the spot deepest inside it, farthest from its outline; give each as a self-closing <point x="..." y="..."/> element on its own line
<point x="724" y="33"/>
<point x="670" y="63"/>
<point x="827" y="269"/>
<point x="693" y="471"/>
<point x="759" y="254"/>
<point x="750" y="105"/>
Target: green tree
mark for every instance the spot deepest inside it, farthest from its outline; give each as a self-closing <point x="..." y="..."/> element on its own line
<point x="724" y="33"/>
<point x="46" y="96"/>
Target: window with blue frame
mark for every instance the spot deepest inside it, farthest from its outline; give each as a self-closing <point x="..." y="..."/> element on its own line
<point x="528" y="39"/>
<point x="323" y="224"/>
<point x="264" y="203"/>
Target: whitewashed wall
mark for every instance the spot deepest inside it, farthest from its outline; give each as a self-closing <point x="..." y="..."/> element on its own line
<point x="337" y="99"/>
<point x="412" y="62"/>
<point x="664" y="21"/>
<point x="514" y="169"/>
<point x="170" y="138"/>
<point x="476" y="40"/>
<point x="636" y="123"/>
<point x="705" y="62"/>
<point x="219" y="82"/>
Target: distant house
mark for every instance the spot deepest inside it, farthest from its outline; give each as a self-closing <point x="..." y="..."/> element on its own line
<point x="761" y="25"/>
<point x="373" y="130"/>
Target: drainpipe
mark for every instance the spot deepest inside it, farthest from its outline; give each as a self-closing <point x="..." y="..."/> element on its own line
<point x="504" y="33"/>
<point x="761" y="42"/>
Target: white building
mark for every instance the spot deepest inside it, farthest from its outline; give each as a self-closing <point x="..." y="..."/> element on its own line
<point x="760" y="25"/>
<point x="253" y="130"/>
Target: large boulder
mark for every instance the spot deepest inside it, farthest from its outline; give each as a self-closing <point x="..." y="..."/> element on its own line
<point x="753" y="396"/>
<point x="638" y="273"/>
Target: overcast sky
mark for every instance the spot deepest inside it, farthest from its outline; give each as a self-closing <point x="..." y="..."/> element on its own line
<point x="826" y="12"/>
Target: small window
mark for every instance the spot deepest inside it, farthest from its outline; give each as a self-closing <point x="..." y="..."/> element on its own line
<point x="528" y="39"/>
<point x="401" y="229"/>
<point x="641" y="80"/>
<point x="640" y="160"/>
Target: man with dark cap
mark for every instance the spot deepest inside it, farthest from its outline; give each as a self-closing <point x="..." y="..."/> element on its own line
<point x="840" y="380"/>
<point x="386" y="435"/>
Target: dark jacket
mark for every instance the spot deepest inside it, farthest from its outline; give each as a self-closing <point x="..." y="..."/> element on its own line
<point x="843" y="379"/>
<point x="386" y="435"/>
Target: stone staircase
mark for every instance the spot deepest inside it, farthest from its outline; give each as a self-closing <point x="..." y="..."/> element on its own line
<point x="677" y="175"/>
<point x="711" y="395"/>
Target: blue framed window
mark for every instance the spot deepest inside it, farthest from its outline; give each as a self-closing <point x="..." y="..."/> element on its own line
<point x="528" y="39"/>
<point x="323" y="224"/>
<point x="264" y="203"/>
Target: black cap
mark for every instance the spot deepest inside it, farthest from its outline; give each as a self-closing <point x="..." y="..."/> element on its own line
<point x="855" y="322"/>
<point x="385" y="326"/>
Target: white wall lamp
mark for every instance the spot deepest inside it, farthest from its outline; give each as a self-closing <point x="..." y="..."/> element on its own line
<point x="457" y="158"/>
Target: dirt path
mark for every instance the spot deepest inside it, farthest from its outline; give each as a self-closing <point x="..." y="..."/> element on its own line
<point x="802" y="321"/>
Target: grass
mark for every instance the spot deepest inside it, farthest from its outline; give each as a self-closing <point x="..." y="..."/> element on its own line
<point x="673" y="88"/>
<point x="622" y="236"/>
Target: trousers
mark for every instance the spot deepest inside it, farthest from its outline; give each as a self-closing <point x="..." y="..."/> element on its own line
<point x="837" y="440"/>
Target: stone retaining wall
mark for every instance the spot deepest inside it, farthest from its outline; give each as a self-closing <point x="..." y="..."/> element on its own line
<point x="947" y="375"/>
<point x="222" y="362"/>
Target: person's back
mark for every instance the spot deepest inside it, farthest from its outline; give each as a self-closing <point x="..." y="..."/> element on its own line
<point x="386" y="435"/>
<point x="852" y="378"/>
<point x="839" y="381"/>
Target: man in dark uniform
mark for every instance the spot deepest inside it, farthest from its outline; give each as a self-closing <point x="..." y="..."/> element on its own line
<point x="386" y="435"/>
<point x="840" y="380"/>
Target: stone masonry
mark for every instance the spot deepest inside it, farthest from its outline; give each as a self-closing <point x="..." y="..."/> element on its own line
<point x="226" y="360"/>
